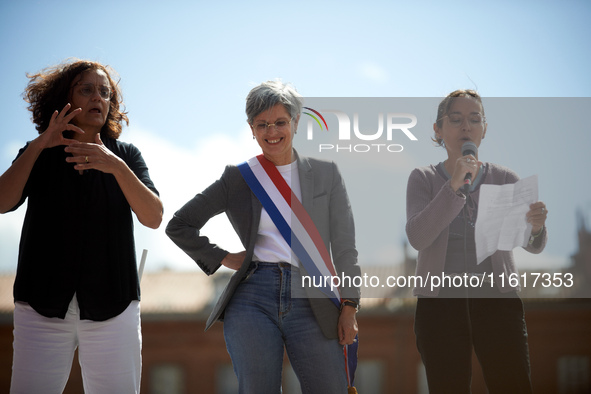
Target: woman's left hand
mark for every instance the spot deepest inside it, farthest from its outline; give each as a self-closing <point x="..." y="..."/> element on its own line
<point x="93" y="156"/>
<point x="347" y="326"/>
<point x="537" y="216"/>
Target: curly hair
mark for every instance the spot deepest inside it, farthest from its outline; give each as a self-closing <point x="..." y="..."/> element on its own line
<point x="49" y="90"/>
<point x="446" y="104"/>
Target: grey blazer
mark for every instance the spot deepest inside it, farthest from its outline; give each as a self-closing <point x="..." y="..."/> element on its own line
<point x="323" y="196"/>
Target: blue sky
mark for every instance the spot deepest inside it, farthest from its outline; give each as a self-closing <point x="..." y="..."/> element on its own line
<point x="187" y="66"/>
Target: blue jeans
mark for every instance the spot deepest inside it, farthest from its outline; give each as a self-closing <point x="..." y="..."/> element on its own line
<point x="262" y="318"/>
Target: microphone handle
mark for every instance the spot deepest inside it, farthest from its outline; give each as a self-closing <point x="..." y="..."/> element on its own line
<point x="467" y="183"/>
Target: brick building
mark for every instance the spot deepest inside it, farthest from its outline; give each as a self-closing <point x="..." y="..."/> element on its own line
<point x="178" y="357"/>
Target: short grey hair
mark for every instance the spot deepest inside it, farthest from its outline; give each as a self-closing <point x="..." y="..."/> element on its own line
<point x="268" y="94"/>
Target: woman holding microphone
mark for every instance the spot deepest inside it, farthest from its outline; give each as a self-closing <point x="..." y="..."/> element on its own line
<point x="441" y="213"/>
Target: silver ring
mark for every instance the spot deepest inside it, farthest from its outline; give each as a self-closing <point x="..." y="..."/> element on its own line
<point x="543" y="210"/>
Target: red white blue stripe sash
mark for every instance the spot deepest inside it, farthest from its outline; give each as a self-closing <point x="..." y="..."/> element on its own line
<point x="291" y="219"/>
<point x="297" y="228"/>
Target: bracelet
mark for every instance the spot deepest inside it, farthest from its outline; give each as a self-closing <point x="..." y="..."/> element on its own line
<point x="350" y="303"/>
<point x="533" y="237"/>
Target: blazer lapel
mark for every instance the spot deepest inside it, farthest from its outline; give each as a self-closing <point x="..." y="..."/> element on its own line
<point x="306" y="182"/>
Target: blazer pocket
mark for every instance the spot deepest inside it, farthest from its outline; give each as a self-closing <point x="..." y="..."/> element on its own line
<point x="320" y="209"/>
<point x="320" y="200"/>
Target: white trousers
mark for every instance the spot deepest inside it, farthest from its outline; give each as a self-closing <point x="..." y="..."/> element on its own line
<point x="109" y="352"/>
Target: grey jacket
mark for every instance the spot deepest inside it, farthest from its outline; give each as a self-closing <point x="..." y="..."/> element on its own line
<point x="431" y="205"/>
<point x="323" y="196"/>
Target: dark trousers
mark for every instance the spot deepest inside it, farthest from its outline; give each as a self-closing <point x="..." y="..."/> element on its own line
<point x="447" y="329"/>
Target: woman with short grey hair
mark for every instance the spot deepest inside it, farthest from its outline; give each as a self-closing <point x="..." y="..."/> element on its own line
<point x="268" y="94"/>
<point x="265" y="307"/>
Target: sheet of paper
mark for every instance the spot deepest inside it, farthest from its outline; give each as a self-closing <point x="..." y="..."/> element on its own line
<point x="501" y="222"/>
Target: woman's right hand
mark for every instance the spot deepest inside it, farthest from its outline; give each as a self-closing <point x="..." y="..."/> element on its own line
<point x="13" y="181"/>
<point x="464" y="165"/>
<point x="234" y="260"/>
<point x="59" y="122"/>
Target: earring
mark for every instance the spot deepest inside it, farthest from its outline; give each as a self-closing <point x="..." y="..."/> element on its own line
<point x="253" y="137"/>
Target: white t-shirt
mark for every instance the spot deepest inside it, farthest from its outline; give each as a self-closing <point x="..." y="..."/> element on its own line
<point x="270" y="245"/>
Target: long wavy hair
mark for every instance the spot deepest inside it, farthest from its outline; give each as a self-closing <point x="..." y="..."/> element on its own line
<point x="49" y="90"/>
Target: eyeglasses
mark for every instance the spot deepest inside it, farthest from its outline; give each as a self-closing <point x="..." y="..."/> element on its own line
<point x="89" y="89"/>
<point x="280" y="125"/>
<point x="456" y="120"/>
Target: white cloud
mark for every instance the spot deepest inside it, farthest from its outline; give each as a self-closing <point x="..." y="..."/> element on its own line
<point x="374" y="72"/>
<point x="10" y="150"/>
<point x="10" y="231"/>
<point x="179" y="173"/>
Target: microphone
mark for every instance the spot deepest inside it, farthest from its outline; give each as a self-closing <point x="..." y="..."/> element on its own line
<point x="468" y="148"/>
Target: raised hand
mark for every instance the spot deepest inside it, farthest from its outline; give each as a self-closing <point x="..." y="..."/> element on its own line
<point x="93" y="156"/>
<point x="59" y="122"/>
<point x="464" y="165"/>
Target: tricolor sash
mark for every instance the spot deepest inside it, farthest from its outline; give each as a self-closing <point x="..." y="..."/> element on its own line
<point x="297" y="228"/>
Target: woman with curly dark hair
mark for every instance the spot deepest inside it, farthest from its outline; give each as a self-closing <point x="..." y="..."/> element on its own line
<point x="77" y="284"/>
